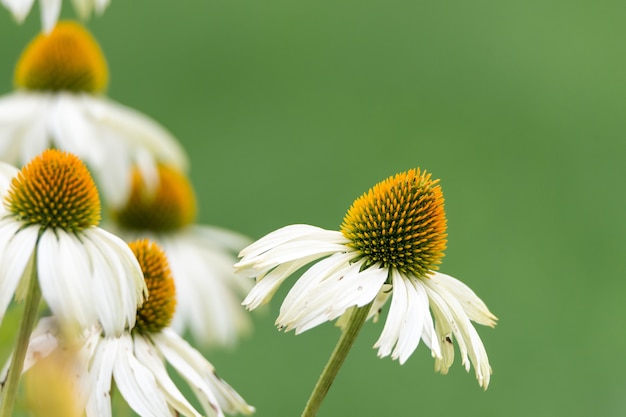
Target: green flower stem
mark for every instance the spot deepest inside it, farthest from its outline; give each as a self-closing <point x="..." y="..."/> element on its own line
<point x="351" y="331"/>
<point x="31" y="307"/>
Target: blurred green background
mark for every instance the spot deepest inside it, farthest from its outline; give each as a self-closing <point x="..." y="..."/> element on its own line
<point x="291" y="109"/>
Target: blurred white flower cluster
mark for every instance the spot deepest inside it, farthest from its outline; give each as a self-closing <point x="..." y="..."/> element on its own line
<point x="111" y="288"/>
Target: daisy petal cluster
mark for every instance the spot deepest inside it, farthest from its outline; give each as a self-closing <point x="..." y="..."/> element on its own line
<point x="136" y="361"/>
<point x="49" y="222"/>
<point x="201" y="257"/>
<point x="51" y="9"/>
<point x="390" y="245"/>
<point x="59" y="103"/>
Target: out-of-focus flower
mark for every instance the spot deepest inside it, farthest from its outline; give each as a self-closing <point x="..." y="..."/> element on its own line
<point x="59" y="103"/>
<point x="201" y="257"/>
<point x="50" y="10"/>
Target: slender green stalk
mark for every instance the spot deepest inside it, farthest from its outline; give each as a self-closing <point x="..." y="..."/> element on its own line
<point x="351" y="331"/>
<point x="31" y="305"/>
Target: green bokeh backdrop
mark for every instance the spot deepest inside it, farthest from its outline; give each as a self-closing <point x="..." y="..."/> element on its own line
<point x="291" y="109"/>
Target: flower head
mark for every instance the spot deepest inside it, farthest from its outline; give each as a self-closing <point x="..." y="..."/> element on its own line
<point x="67" y="59"/>
<point x="390" y="244"/>
<point x="135" y="360"/>
<point x="48" y="221"/>
<point x="50" y="9"/>
<point x="201" y="257"/>
<point x="59" y="103"/>
<point x="156" y="312"/>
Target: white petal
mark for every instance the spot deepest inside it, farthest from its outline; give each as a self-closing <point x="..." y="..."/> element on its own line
<point x="268" y="283"/>
<point x="101" y="5"/>
<point x="212" y="292"/>
<point x="83" y="8"/>
<point x="136" y="383"/>
<point x="312" y="277"/>
<point x="216" y="394"/>
<point x="19" y="8"/>
<point x="393" y="324"/>
<point x="101" y="372"/>
<point x="473" y="306"/>
<point x="138" y="130"/>
<point x="73" y="131"/>
<point x="148" y="356"/>
<point x="65" y="273"/>
<point x="23" y="133"/>
<point x="413" y="322"/>
<point x="117" y="280"/>
<point x="16" y="249"/>
<point x="467" y="337"/>
<point x="334" y="295"/>
<point x="287" y="234"/>
<point x="50" y="10"/>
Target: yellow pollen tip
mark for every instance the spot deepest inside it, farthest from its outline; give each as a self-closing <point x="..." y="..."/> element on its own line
<point x="66" y="59"/>
<point x="170" y="207"/>
<point x="400" y="223"/>
<point x="157" y="311"/>
<point x="55" y="190"/>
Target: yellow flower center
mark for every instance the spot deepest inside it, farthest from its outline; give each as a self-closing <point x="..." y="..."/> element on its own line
<point x="66" y="59"/>
<point x="400" y="223"/>
<point x="171" y="206"/>
<point x="55" y="190"/>
<point x="157" y="311"/>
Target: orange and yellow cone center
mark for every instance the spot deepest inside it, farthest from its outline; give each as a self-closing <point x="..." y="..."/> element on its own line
<point x="66" y="59"/>
<point x="55" y="190"/>
<point x="157" y="311"/>
<point x="170" y="207"/>
<point x="400" y="223"/>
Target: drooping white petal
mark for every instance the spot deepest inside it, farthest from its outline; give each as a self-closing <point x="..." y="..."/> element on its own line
<point x="83" y="8"/>
<point x="416" y="314"/>
<point x="333" y="296"/>
<point x="16" y="249"/>
<point x="213" y="392"/>
<point x="473" y="306"/>
<point x="101" y="372"/>
<point x="136" y="383"/>
<point x="295" y="232"/>
<point x="73" y="131"/>
<point x="469" y="342"/>
<point x="149" y="357"/>
<point x="23" y="125"/>
<point x="267" y="283"/>
<point x="393" y="324"/>
<point x="101" y="5"/>
<point x="138" y="130"/>
<point x="65" y="276"/>
<point x="19" y="8"/>
<point x="212" y="292"/>
<point x="117" y="281"/>
<point x="50" y="11"/>
<point x="337" y="263"/>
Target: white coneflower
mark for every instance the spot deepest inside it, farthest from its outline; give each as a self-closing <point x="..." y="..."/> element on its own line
<point x="391" y="240"/>
<point x="50" y="9"/>
<point x="201" y="257"/>
<point x="135" y="361"/>
<point x="59" y="103"/>
<point x="48" y="222"/>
